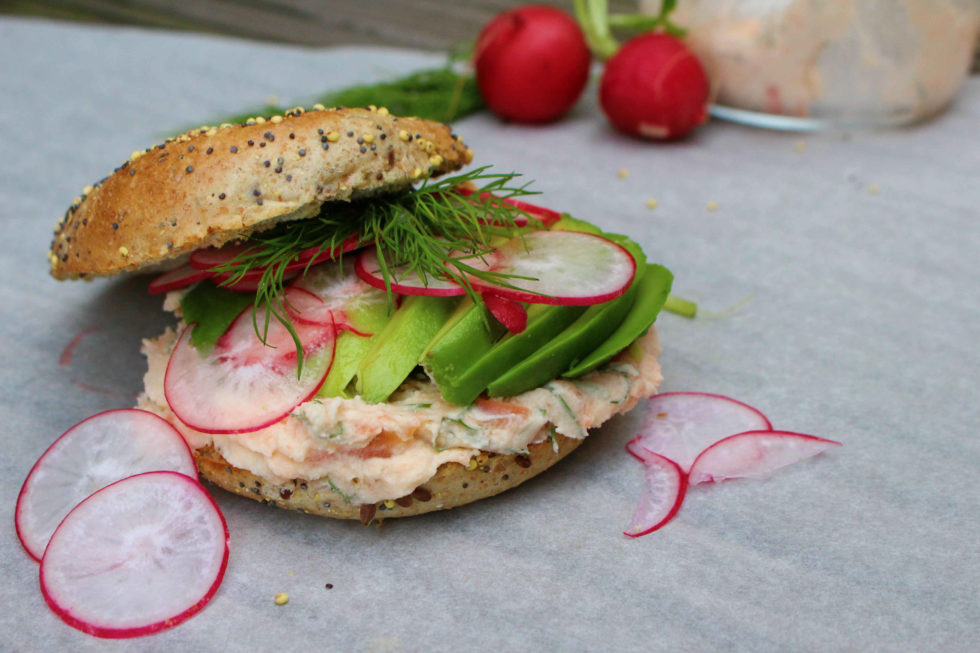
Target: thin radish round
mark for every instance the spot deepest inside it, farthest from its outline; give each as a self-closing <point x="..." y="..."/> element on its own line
<point x="558" y="267"/>
<point x="755" y="454"/>
<point x="666" y="485"/>
<point x="92" y="454"/>
<point x="138" y="556"/>
<point x="175" y="279"/>
<point x="248" y="282"/>
<point x="340" y="291"/>
<point x="306" y="308"/>
<point x="248" y="385"/>
<point x="511" y="314"/>
<point x="211" y="257"/>
<point x="546" y="216"/>
<point x="680" y="425"/>
<point x="402" y="279"/>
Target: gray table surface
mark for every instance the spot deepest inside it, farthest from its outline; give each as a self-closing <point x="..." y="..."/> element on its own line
<point x="837" y="276"/>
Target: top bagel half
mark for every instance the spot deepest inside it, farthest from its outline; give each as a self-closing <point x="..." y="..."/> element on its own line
<point x="214" y="185"/>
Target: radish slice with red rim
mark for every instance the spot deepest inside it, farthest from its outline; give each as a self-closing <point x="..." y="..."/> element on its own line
<point x="92" y="454"/>
<point x="248" y="282"/>
<point x="243" y="385"/>
<point x="511" y="314"/>
<point x="546" y="216"/>
<point x="557" y="267"/>
<point x="755" y="454"/>
<point x="403" y="280"/>
<point x="137" y="557"/>
<point x="340" y="290"/>
<point x="208" y="258"/>
<point x="306" y="308"/>
<point x="176" y="279"/>
<point x="680" y="425"/>
<point x="666" y="485"/>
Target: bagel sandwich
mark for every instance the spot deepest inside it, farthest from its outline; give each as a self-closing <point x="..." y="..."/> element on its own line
<point x="318" y="362"/>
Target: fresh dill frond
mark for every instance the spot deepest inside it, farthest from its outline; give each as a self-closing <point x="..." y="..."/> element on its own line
<point x="432" y="231"/>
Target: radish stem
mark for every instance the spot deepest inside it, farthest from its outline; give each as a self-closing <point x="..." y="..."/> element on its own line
<point x="681" y="306"/>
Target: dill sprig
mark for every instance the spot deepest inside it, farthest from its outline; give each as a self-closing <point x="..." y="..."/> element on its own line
<point x="433" y="231"/>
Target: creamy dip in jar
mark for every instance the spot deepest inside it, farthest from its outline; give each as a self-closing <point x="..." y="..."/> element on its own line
<point x="818" y="63"/>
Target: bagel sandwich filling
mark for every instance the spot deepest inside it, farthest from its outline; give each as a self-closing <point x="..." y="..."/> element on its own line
<point x="362" y="330"/>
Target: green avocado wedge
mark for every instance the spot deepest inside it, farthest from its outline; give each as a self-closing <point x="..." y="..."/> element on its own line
<point x="467" y="335"/>
<point x="369" y="320"/>
<point x="397" y="349"/>
<point x="578" y="340"/>
<point x="652" y="291"/>
<point x="543" y="324"/>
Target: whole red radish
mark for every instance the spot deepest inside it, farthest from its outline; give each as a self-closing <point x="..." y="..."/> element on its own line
<point x="654" y="87"/>
<point x="531" y="63"/>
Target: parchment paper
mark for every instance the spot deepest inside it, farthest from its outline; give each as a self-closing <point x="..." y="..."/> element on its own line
<point x="837" y="277"/>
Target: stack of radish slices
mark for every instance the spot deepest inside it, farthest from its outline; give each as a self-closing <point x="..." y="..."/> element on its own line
<point x="129" y="542"/>
<point x="691" y="438"/>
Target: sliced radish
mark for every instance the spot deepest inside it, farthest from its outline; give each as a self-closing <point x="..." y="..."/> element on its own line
<point x="306" y="308"/>
<point x="92" y="454"/>
<point x="570" y="268"/>
<point x="208" y="258"/>
<point x="276" y="348"/>
<point x="680" y="425"/>
<point x="755" y="454"/>
<point x="175" y="279"/>
<point x="666" y="485"/>
<point x="340" y="292"/>
<point x="243" y="385"/>
<point x="511" y="314"/>
<point x="402" y="279"/>
<point x="249" y="282"/>
<point x="546" y="216"/>
<point x="138" y="556"/>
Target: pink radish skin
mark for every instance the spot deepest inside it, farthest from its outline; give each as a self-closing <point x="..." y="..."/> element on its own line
<point x="532" y="63"/>
<point x="92" y="454"/>
<point x="755" y="454"/>
<point x="139" y="556"/>
<point x="567" y="268"/>
<point x="338" y="290"/>
<point x="176" y="279"/>
<point x="680" y="425"/>
<point x="511" y="314"/>
<point x="403" y="281"/>
<point x="546" y="216"/>
<point x="248" y="385"/>
<point x="663" y="494"/>
<point x="654" y="87"/>
<point x="205" y="259"/>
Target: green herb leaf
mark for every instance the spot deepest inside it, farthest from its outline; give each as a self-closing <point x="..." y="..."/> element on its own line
<point x="416" y="229"/>
<point x="441" y="94"/>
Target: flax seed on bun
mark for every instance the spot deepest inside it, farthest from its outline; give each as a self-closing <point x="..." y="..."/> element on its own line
<point x="218" y="184"/>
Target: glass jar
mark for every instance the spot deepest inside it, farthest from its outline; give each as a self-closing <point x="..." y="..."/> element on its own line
<point x="811" y="64"/>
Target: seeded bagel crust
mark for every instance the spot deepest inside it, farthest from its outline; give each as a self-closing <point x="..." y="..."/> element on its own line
<point x="452" y="485"/>
<point x="218" y="184"/>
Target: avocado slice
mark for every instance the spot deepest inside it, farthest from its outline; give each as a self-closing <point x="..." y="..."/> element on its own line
<point x="652" y="292"/>
<point x="466" y="336"/>
<point x="369" y="319"/>
<point x="471" y="378"/>
<point x="396" y="350"/>
<point x="578" y="340"/>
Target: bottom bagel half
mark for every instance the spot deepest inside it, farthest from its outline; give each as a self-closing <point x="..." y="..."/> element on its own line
<point x="348" y="459"/>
